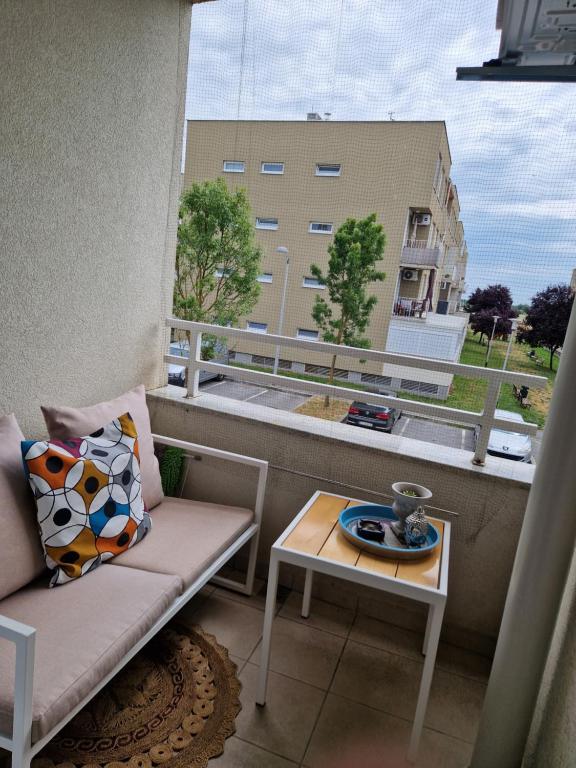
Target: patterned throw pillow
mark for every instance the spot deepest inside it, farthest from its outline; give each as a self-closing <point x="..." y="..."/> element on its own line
<point x="88" y="496"/>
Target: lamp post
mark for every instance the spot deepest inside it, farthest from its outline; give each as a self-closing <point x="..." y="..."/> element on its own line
<point x="510" y="340"/>
<point x="495" y="320"/>
<point x="283" y="250"/>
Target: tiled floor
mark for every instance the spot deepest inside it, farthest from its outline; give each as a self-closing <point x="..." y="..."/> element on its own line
<point x="342" y="688"/>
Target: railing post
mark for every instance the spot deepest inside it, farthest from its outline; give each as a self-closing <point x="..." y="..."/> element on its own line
<point x="487" y="422"/>
<point x="193" y="378"/>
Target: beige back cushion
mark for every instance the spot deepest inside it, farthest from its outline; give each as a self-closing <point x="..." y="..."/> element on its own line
<point x="64" y="423"/>
<point x="21" y="556"/>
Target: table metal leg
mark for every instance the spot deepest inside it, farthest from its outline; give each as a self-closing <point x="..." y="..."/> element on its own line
<point x="267" y="630"/>
<point x="435" y="617"/>
<point x="427" y="633"/>
<point x="307" y="593"/>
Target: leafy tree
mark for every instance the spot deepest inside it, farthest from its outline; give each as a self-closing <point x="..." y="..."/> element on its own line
<point x="217" y="260"/>
<point x="547" y="319"/>
<point x="484" y="304"/>
<point x="357" y="246"/>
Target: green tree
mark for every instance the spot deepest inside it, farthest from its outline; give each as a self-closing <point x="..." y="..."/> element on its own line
<point x="217" y="259"/>
<point x="547" y="319"/>
<point x="357" y="246"/>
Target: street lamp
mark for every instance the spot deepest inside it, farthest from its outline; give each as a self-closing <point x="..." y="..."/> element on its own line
<point x="283" y="250"/>
<point x="495" y="320"/>
<point x="510" y="340"/>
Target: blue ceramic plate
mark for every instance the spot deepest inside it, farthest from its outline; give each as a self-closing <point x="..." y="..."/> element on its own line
<point x="391" y="547"/>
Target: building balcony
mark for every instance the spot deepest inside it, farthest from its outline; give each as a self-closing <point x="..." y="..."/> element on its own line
<point x="417" y="253"/>
<point x="406" y="307"/>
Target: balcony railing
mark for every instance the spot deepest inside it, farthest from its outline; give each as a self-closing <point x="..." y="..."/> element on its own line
<point x="416" y="253"/>
<point x="404" y="307"/>
<point x="486" y="420"/>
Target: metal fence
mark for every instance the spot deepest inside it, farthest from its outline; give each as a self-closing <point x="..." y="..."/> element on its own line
<point x="485" y="421"/>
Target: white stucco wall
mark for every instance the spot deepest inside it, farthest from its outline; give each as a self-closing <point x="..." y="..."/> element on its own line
<point x="90" y="135"/>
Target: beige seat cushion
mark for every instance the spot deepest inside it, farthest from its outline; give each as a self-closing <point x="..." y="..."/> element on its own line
<point x="186" y="537"/>
<point x="84" y="629"/>
<point x="63" y="422"/>
<point x="21" y="556"/>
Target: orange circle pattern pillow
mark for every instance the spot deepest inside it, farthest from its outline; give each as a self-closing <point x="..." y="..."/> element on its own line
<point x="88" y="495"/>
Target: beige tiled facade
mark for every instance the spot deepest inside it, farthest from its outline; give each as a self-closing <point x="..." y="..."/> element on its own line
<point x="400" y="170"/>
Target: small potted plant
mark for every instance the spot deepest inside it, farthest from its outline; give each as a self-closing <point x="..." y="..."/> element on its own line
<point x="407" y="498"/>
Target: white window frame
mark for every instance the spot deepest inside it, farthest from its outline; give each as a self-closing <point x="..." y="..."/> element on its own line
<point x="263" y="278"/>
<point x="317" y="285"/>
<point x="261" y="225"/>
<point x="233" y="162"/>
<point x="219" y="273"/>
<point x="251" y="326"/>
<point x="319" y="172"/>
<point x="321" y="231"/>
<point x="271" y="173"/>
<point x="304" y="333"/>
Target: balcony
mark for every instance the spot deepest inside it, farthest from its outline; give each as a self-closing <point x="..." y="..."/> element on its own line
<point x="417" y="253"/>
<point x="406" y="307"/>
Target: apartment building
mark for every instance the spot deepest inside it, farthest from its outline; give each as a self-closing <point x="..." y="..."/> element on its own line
<point x="304" y="178"/>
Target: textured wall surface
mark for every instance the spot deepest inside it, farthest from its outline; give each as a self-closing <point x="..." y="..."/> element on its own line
<point x="90" y="130"/>
<point x="489" y="501"/>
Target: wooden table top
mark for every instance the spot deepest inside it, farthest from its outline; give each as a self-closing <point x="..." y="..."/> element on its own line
<point x="318" y="534"/>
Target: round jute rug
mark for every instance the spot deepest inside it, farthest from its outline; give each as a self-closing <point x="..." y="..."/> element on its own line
<point x="173" y="705"/>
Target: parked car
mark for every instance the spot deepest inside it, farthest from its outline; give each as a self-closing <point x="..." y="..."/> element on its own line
<point x="509" y="445"/>
<point x="177" y="373"/>
<point x="371" y="416"/>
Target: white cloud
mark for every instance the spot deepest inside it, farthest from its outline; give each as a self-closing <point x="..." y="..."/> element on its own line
<point x="513" y="145"/>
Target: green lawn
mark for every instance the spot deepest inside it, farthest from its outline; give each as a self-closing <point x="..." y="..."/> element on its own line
<point x="468" y="394"/>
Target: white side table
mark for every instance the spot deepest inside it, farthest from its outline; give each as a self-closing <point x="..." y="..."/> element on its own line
<point x="313" y="541"/>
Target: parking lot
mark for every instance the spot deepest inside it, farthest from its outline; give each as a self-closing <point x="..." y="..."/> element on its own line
<point x="409" y="426"/>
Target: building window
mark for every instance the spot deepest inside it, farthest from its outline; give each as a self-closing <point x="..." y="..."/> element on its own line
<point x="266" y="223"/>
<point x="222" y="272"/>
<point x="258" y="327"/>
<point x="312" y="282"/>
<point x="327" y="169"/>
<point x="321" y="227"/>
<point x="276" y="168"/>
<point x="265" y="277"/>
<point x="234" y="166"/>
<point x="303" y="333"/>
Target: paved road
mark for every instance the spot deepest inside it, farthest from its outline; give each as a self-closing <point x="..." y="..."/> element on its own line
<point x="409" y="426"/>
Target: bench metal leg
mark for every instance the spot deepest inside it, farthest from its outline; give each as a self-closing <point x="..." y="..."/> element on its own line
<point x="267" y="630"/>
<point x="307" y="593"/>
<point x="435" y="620"/>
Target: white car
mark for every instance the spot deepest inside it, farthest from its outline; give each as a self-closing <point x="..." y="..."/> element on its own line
<point x="509" y="445"/>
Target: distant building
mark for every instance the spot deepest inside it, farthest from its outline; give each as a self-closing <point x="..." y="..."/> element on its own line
<point x="304" y="178"/>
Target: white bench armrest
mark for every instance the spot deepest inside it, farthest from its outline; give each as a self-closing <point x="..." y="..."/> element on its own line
<point x="24" y="638"/>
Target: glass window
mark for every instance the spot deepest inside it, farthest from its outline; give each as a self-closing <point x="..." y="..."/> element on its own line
<point x="321" y="227"/>
<point x="304" y="333"/>
<point x="262" y="223"/>
<point x="265" y="277"/>
<point x="272" y="168"/>
<point x="258" y="327"/>
<point x="312" y="282"/>
<point x="222" y="272"/>
<point x="234" y="166"/>
<point x="327" y="169"/>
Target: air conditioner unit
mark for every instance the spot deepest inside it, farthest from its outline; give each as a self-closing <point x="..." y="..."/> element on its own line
<point x="409" y="274"/>
<point x="423" y="219"/>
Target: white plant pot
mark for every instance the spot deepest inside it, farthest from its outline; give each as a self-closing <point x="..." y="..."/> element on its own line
<point x="404" y="506"/>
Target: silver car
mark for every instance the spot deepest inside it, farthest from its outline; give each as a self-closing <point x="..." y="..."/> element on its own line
<point x="177" y="373"/>
<point x="509" y="445"/>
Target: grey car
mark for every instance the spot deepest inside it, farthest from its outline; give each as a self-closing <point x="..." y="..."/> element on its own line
<point x="177" y="373"/>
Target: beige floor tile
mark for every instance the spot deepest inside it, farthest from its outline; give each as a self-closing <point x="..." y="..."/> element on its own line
<point x="387" y="637"/>
<point x="239" y="663"/>
<point x="303" y="653"/>
<point x="350" y="735"/>
<point x="390" y="682"/>
<point x="284" y="725"/>
<point x="238" y="627"/>
<point x="256" y="600"/>
<point x="240" y="754"/>
<point x="455" y="705"/>
<point x="378" y="679"/>
<point x="325" y="616"/>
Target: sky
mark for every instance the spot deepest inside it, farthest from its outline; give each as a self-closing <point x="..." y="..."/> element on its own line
<point x="513" y="145"/>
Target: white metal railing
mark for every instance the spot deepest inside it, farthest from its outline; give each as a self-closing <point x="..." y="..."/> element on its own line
<point x="419" y="253"/>
<point x="486" y="420"/>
